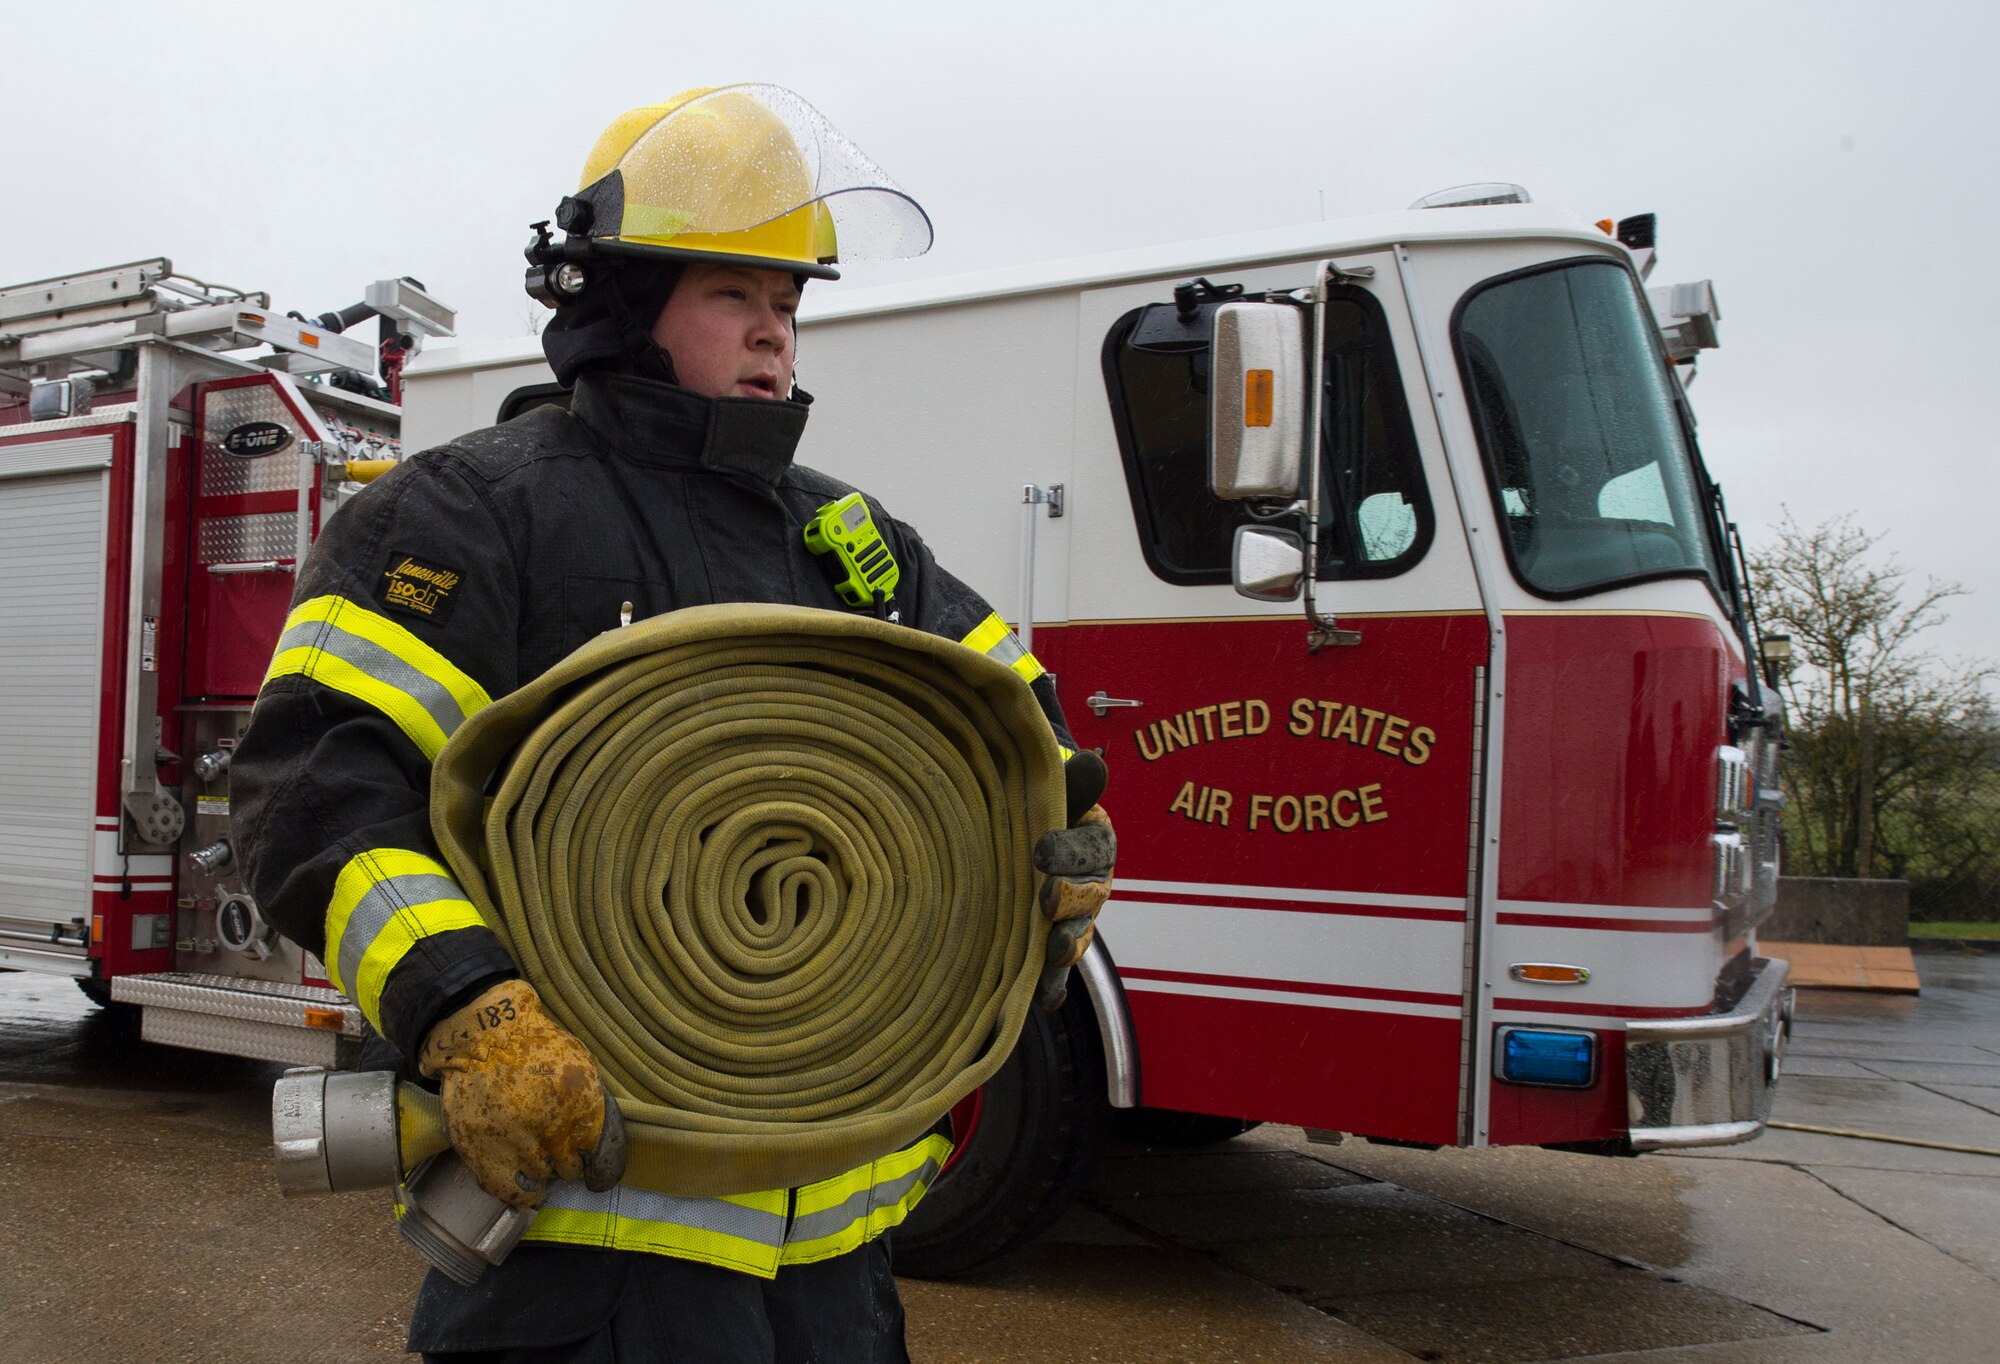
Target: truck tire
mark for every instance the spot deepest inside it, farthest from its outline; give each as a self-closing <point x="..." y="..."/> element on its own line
<point x="1029" y="1138"/>
<point x="1165" y="1127"/>
<point x="98" y="992"/>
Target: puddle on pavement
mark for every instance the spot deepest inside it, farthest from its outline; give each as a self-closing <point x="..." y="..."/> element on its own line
<point x="51" y="1034"/>
<point x="1421" y="1274"/>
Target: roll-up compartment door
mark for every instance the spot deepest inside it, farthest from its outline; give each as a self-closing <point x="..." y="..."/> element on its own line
<point x="52" y="528"/>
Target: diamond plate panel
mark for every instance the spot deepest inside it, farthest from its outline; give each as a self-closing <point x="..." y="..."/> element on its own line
<point x="262" y="1001"/>
<point x="225" y="475"/>
<point x="241" y="539"/>
<point x="242" y="1037"/>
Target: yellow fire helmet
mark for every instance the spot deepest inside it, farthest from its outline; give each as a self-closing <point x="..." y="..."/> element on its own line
<point x="747" y="174"/>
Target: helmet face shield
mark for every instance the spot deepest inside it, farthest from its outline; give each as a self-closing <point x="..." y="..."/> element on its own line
<point x="749" y="171"/>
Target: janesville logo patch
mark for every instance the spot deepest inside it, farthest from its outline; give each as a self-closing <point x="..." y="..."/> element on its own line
<point x="418" y="586"/>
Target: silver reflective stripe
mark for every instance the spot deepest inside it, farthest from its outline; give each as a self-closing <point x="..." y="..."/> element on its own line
<point x="643" y="1205"/>
<point x="857" y="1205"/>
<point x="1007" y="649"/>
<point x="372" y="912"/>
<point x="380" y="664"/>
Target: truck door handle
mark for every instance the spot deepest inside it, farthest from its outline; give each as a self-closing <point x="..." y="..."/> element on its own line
<point x="255" y="566"/>
<point x="1099" y="702"/>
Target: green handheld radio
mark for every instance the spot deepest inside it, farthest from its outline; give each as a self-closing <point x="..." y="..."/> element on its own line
<point x="844" y="529"/>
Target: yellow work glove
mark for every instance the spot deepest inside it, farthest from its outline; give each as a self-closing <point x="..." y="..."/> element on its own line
<point x="523" y="1100"/>
<point x="1078" y="862"/>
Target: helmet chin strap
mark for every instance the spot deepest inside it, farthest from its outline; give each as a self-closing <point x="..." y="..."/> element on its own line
<point x="644" y="357"/>
<point x="656" y="354"/>
<point x="798" y="395"/>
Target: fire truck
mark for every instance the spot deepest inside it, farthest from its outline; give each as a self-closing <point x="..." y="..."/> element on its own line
<point x="168" y="450"/>
<point x="1380" y="560"/>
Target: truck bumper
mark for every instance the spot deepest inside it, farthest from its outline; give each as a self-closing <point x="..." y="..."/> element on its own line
<point x="1709" y="1081"/>
<point x="303" y="1025"/>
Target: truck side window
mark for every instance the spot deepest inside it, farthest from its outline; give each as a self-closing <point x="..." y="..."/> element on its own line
<point x="1376" y="516"/>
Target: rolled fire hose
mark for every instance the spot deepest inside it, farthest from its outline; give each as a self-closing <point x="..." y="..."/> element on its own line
<point x="772" y="865"/>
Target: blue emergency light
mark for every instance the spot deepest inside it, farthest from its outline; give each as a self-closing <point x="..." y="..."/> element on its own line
<point x="1545" y="1056"/>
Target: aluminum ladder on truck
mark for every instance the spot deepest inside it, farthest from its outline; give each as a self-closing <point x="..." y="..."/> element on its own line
<point x="142" y="333"/>
<point x="55" y="532"/>
<point x="142" y="327"/>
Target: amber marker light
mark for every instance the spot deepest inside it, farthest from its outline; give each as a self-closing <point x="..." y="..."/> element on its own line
<point x="97" y="928"/>
<point x="1549" y="973"/>
<point x="307" y="338"/>
<point x="328" y="1019"/>
<point x="1607" y="227"/>
<point x="1257" y="390"/>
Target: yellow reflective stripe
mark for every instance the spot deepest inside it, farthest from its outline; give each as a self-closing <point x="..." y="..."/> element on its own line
<point x="344" y="646"/>
<point x="644" y="220"/>
<point x="986" y="634"/>
<point x="992" y="638"/>
<point x="816" y="1198"/>
<point x="330" y="671"/>
<point x="578" y="1227"/>
<point x="884" y="1192"/>
<point x="738" y="1231"/>
<point x="831" y="1193"/>
<point x="747" y="1232"/>
<point x="1067" y="753"/>
<point x="379" y="629"/>
<point x="384" y="902"/>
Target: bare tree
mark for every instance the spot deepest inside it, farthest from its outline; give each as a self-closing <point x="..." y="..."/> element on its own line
<point x="1894" y="754"/>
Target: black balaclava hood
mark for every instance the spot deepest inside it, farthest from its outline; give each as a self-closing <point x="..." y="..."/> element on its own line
<point x="612" y="323"/>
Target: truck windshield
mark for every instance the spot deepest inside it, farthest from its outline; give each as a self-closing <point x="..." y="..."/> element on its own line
<point x="1574" y="405"/>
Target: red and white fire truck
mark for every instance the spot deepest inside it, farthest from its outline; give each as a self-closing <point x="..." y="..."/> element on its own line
<point x="168" y="450"/>
<point x="1469" y="852"/>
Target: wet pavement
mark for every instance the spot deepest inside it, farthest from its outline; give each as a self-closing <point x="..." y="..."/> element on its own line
<point x="142" y="1224"/>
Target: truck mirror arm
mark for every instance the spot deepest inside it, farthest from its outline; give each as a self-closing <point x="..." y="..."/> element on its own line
<point x="1323" y="629"/>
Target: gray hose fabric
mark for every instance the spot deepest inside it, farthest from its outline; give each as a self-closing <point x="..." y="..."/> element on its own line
<point x="772" y="866"/>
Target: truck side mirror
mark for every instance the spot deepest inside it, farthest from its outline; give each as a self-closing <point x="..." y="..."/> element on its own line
<point x="1267" y="564"/>
<point x="1257" y="402"/>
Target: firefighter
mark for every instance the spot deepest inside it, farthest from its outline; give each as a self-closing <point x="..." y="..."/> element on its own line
<point x="668" y="481"/>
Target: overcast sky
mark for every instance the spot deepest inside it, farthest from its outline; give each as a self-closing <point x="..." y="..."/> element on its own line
<point x="1829" y="165"/>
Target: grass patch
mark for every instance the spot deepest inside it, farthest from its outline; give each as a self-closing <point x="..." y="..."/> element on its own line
<point x="1955" y="930"/>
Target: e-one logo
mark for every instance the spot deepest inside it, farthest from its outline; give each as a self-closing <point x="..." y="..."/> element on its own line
<point x="254" y="440"/>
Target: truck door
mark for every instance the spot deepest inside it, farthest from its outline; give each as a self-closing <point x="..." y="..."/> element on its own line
<point x="1290" y="920"/>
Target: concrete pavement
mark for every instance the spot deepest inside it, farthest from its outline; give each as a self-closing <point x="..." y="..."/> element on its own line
<point x="142" y="1224"/>
<point x="1792" y="1247"/>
